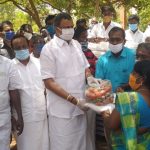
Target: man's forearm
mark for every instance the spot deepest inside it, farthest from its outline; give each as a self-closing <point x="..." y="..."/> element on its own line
<point x="15" y="101"/>
<point x="58" y="90"/>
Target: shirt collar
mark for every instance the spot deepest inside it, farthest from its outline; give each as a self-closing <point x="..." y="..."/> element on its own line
<point x="123" y="53"/>
<point x="18" y="62"/>
<point x="135" y="32"/>
<point x="60" y="41"/>
<point x="111" y="24"/>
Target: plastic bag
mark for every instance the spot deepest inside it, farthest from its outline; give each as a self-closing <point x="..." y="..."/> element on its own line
<point x="100" y="94"/>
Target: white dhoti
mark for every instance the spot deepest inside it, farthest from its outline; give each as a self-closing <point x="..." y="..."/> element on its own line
<point x="34" y="136"/>
<point x="90" y="114"/>
<point x="5" y="132"/>
<point x="68" y="134"/>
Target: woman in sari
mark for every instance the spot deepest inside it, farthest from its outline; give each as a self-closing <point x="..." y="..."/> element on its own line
<point x="130" y="120"/>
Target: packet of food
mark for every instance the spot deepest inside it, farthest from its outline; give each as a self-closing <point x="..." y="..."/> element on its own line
<point x="99" y="94"/>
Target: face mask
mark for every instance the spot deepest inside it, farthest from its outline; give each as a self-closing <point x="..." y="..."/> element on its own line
<point x="51" y="30"/>
<point x="115" y="48"/>
<point x="84" y="45"/>
<point x="9" y="35"/>
<point x="133" y="27"/>
<point x="39" y="47"/>
<point x="28" y="35"/>
<point x="107" y="19"/>
<point x="67" y="34"/>
<point x="132" y="82"/>
<point x="22" y="54"/>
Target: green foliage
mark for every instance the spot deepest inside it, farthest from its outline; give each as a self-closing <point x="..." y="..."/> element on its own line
<point x="36" y="12"/>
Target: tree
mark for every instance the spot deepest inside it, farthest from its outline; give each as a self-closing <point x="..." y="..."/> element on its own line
<point x="31" y="7"/>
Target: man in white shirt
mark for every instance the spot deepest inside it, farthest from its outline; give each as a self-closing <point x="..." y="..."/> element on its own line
<point x="133" y="35"/>
<point x="64" y="70"/>
<point x="9" y="83"/>
<point x="146" y="33"/>
<point x="35" y="134"/>
<point x="99" y="34"/>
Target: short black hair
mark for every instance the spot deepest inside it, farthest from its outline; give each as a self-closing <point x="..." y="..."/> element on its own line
<point x="25" y="27"/>
<point x="7" y="22"/>
<point x="116" y="29"/>
<point x="61" y="16"/>
<point x="106" y="8"/>
<point x="49" y="17"/>
<point x="144" y="46"/>
<point x="135" y="17"/>
<point x="143" y="69"/>
<point x="17" y="36"/>
<point x="78" y="31"/>
<point x="35" y="38"/>
<point x="42" y="29"/>
<point x="80" y="21"/>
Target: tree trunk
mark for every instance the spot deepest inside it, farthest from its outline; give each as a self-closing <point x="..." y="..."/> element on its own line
<point x="97" y="9"/>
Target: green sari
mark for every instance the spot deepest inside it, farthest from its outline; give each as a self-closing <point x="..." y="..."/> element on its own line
<point x="127" y="139"/>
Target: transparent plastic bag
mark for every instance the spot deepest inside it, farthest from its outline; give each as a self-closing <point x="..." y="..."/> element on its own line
<point x="99" y="94"/>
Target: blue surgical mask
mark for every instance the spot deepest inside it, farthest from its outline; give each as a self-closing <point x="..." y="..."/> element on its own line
<point x="9" y="35"/>
<point x="51" y="30"/>
<point x="22" y="54"/>
<point x="84" y="45"/>
<point x="133" y="27"/>
<point x="39" y="47"/>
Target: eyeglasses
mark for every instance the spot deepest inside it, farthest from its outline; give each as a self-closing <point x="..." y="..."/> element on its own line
<point x="112" y="40"/>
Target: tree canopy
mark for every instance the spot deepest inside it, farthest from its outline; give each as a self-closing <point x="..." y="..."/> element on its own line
<point x="35" y="11"/>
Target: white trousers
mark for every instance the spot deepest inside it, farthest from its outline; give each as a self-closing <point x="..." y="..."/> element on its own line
<point x="5" y="132"/>
<point x="34" y="136"/>
<point x="68" y="134"/>
<point x="90" y="129"/>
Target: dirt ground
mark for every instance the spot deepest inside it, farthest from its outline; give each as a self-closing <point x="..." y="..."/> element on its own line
<point x="100" y="144"/>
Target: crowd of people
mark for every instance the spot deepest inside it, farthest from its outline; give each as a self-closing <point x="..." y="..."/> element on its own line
<point x="43" y="77"/>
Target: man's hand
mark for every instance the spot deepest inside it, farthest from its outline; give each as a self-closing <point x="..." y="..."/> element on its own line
<point x="17" y="125"/>
<point x="92" y="81"/>
<point x="82" y="105"/>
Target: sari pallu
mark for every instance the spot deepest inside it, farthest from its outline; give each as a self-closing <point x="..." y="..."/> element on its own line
<point x="127" y="138"/>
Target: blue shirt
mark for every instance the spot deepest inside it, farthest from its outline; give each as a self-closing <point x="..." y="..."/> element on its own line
<point x="144" y="111"/>
<point x="116" y="69"/>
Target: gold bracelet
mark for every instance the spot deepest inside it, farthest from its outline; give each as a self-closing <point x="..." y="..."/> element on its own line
<point x="77" y="101"/>
<point x="68" y="97"/>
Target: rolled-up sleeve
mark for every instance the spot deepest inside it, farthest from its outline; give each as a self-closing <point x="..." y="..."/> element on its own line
<point x="47" y="62"/>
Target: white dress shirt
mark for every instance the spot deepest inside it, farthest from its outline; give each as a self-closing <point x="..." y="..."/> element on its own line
<point x="146" y="33"/>
<point x="32" y="90"/>
<point x="66" y="64"/>
<point x="100" y="31"/>
<point x="9" y="80"/>
<point x="133" y="39"/>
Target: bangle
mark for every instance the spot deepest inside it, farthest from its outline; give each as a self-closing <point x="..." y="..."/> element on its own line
<point x="68" y="97"/>
<point x="77" y="101"/>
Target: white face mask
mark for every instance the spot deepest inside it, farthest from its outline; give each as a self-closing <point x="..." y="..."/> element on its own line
<point x="115" y="48"/>
<point x="28" y="35"/>
<point x="67" y="34"/>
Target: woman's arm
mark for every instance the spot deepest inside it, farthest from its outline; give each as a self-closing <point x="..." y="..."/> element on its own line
<point x="114" y="120"/>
